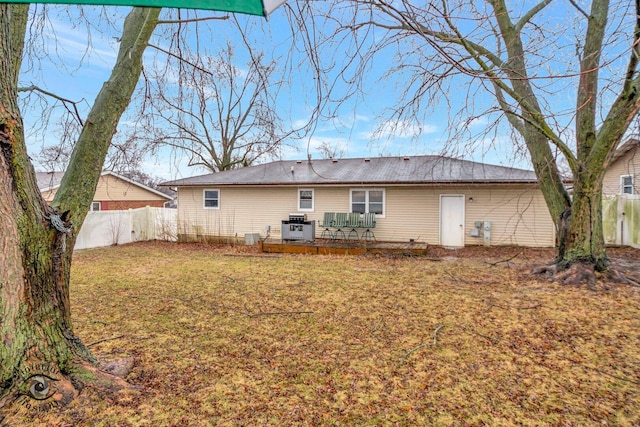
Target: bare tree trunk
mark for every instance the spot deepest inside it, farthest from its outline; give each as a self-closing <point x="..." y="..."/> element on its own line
<point x="42" y="361"/>
<point x="494" y="44"/>
<point x="584" y="240"/>
<point x="583" y="248"/>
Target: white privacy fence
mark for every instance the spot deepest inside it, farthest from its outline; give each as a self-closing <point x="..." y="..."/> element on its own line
<point x="621" y="220"/>
<point x="106" y="228"/>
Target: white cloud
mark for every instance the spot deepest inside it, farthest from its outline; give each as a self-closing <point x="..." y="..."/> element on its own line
<point x="362" y="118"/>
<point x="340" y="144"/>
<point x="399" y="129"/>
<point x="299" y="123"/>
<point x="172" y="166"/>
<point x="334" y="141"/>
<point x="291" y="153"/>
<point x="74" y="43"/>
<point x="478" y="122"/>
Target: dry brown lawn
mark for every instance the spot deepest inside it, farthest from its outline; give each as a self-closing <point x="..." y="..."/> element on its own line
<point x="230" y="337"/>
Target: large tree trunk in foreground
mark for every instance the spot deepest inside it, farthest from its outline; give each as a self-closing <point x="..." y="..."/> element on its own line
<point x="42" y="362"/>
<point x="579" y="219"/>
<point x="500" y="51"/>
<point x="583" y="249"/>
<point x="584" y="239"/>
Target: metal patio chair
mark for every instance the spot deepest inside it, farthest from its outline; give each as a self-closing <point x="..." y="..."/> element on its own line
<point x="368" y="222"/>
<point x="342" y="221"/>
<point x="328" y="222"/>
<point x="354" y="224"/>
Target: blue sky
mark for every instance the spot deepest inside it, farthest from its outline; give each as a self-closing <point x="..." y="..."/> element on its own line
<point x="77" y="72"/>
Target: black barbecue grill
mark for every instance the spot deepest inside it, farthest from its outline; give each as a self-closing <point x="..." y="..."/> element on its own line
<point x="298" y="228"/>
<point x="297" y="218"/>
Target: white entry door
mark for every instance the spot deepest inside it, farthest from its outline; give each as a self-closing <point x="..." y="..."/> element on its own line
<point x="452" y="220"/>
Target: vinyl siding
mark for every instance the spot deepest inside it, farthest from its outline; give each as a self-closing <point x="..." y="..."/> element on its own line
<point x="518" y="216"/>
<point x="49" y="195"/>
<point x="628" y="164"/>
<point x="518" y="213"/>
<point x="241" y="210"/>
<point x="113" y="189"/>
<point x="110" y="188"/>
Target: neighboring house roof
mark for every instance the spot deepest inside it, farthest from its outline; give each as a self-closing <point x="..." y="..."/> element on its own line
<point x="623" y="149"/>
<point x="364" y="171"/>
<point x="48" y="181"/>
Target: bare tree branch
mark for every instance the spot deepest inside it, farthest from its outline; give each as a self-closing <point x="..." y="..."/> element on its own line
<point x="579" y="9"/>
<point x="221" y="115"/>
<point x="65" y="101"/>
<point x="166" y="52"/>
<point x="526" y="18"/>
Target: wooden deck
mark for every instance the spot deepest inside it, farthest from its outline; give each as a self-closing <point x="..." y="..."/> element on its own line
<point x="341" y="247"/>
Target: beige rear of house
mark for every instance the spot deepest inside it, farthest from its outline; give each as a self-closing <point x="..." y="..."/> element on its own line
<point x="516" y="212"/>
<point x="114" y="192"/>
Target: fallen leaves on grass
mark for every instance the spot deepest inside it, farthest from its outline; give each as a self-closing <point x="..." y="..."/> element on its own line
<point x="332" y="340"/>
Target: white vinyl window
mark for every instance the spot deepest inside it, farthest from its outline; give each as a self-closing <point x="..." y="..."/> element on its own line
<point x="96" y="206"/>
<point x="305" y="199"/>
<point x="211" y="199"/>
<point x="626" y="184"/>
<point x="368" y="201"/>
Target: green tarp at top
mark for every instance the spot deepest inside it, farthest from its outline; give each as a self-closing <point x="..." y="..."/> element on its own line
<point x="251" y="7"/>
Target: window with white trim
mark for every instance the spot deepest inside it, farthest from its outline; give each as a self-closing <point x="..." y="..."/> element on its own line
<point x="368" y="201"/>
<point x="211" y="199"/>
<point x="626" y="184"/>
<point x="96" y="206"/>
<point x="305" y="199"/>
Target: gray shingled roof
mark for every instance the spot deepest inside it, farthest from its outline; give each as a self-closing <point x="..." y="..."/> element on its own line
<point x="377" y="170"/>
<point x="624" y="148"/>
<point x="49" y="180"/>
